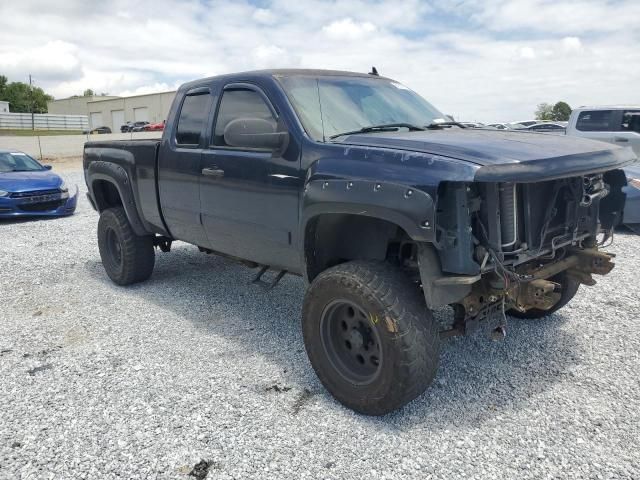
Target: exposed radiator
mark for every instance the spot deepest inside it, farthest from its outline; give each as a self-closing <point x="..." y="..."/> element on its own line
<point x="508" y="215"/>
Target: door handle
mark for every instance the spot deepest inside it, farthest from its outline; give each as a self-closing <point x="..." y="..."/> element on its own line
<point x="621" y="139"/>
<point x="213" y="172"/>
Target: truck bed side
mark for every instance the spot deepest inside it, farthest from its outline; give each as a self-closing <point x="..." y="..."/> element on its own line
<point x="129" y="166"/>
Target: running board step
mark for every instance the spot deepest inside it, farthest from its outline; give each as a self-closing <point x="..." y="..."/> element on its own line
<point x="266" y="285"/>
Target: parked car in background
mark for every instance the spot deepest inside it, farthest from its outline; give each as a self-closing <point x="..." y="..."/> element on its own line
<point x="631" y="213"/>
<point x="97" y="130"/>
<point x="473" y="124"/>
<point x="28" y="188"/>
<point x="133" y="127"/>
<point x="619" y="125"/>
<point x="154" y="127"/>
<point x="547" y="127"/>
<point x="139" y="127"/>
<point x="524" y="123"/>
<point x="501" y="126"/>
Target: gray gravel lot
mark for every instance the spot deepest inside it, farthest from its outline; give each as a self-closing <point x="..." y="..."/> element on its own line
<point x="98" y="381"/>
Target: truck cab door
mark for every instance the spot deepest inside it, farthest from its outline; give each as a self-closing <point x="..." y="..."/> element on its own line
<point x="249" y="197"/>
<point x="179" y="167"/>
<point x="628" y="132"/>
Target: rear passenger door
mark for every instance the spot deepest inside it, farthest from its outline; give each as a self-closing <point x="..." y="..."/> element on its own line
<point x="249" y="197"/>
<point x="179" y="168"/>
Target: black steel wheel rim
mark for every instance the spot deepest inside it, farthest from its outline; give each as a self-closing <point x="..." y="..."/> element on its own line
<point x="114" y="247"/>
<point x="350" y="341"/>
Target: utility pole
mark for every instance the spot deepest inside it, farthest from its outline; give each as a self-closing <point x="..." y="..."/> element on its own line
<point x="33" y="123"/>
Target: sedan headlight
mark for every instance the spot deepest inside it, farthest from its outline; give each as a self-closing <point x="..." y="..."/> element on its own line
<point x="4" y="193"/>
<point x="64" y="187"/>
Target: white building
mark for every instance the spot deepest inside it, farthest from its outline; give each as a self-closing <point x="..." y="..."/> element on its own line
<point x="113" y="112"/>
<point x="4" y="106"/>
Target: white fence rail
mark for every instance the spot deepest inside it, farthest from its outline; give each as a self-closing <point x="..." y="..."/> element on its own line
<point x="43" y="121"/>
<point x="58" y="146"/>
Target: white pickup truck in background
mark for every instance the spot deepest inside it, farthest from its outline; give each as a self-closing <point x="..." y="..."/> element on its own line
<point x="619" y="125"/>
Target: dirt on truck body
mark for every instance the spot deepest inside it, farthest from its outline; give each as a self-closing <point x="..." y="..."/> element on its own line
<point x="387" y="209"/>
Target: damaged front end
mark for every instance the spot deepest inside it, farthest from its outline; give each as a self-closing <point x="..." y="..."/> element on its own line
<point x="502" y="246"/>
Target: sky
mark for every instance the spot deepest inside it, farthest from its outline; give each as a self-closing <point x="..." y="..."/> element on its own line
<point x="479" y="60"/>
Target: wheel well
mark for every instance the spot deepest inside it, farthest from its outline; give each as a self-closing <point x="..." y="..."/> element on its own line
<point x="106" y="195"/>
<point x="331" y="239"/>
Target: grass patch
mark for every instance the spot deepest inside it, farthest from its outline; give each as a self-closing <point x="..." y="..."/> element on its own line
<point x="35" y="133"/>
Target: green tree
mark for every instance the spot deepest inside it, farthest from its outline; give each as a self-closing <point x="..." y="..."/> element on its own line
<point x="561" y="111"/>
<point x="22" y="97"/>
<point x="544" y="112"/>
<point x="3" y="84"/>
<point x="88" y="93"/>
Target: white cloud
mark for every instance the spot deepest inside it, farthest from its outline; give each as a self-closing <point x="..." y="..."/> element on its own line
<point x="527" y="52"/>
<point x="571" y="44"/>
<point x="155" y="88"/>
<point x="347" y="29"/>
<point x="264" y="15"/>
<point x="485" y="60"/>
<point x="55" y="60"/>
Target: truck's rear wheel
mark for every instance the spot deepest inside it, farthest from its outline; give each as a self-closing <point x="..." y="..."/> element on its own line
<point x="369" y="336"/>
<point x="127" y="257"/>
<point x="569" y="288"/>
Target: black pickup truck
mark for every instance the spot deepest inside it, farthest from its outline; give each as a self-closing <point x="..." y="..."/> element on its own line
<point x="387" y="210"/>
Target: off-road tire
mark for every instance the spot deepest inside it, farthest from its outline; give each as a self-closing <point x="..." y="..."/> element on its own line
<point x="127" y="258"/>
<point x="409" y="340"/>
<point x="569" y="289"/>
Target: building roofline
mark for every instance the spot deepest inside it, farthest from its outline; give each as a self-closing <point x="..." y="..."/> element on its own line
<point x="131" y="96"/>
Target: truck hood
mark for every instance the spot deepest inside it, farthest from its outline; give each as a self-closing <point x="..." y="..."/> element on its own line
<point x="506" y="156"/>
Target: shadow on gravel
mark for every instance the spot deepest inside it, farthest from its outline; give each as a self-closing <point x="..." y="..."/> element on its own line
<point x="19" y="220"/>
<point x="477" y="379"/>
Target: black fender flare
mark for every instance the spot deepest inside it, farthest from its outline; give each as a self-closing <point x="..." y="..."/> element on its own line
<point x="118" y="177"/>
<point x="410" y="208"/>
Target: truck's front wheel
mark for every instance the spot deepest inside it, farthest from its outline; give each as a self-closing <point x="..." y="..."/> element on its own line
<point x="369" y="336"/>
<point x="127" y="258"/>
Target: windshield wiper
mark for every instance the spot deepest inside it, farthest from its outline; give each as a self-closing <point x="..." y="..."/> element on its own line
<point x="385" y="127"/>
<point x="435" y="125"/>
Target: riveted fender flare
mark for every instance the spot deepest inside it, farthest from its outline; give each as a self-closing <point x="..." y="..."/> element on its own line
<point x="410" y="208"/>
<point x="118" y="177"/>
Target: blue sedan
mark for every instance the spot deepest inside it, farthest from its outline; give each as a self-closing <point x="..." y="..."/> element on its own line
<point x="28" y="188"/>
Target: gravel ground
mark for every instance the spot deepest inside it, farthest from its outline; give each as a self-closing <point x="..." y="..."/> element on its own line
<point x="98" y="381"/>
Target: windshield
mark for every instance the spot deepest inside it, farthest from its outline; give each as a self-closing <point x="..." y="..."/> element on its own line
<point x="328" y="106"/>
<point x="18" y="162"/>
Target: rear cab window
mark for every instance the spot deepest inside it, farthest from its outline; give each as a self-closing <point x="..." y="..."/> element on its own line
<point x="595" y="121"/>
<point x="193" y="116"/>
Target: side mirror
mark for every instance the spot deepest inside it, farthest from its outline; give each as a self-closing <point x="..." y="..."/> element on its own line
<point x="47" y="167"/>
<point x="254" y="133"/>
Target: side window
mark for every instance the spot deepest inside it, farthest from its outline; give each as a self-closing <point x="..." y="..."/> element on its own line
<point x="236" y="104"/>
<point x="595" y="121"/>
<point x="193" y="115"/>
<point x="631" y="121"/>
